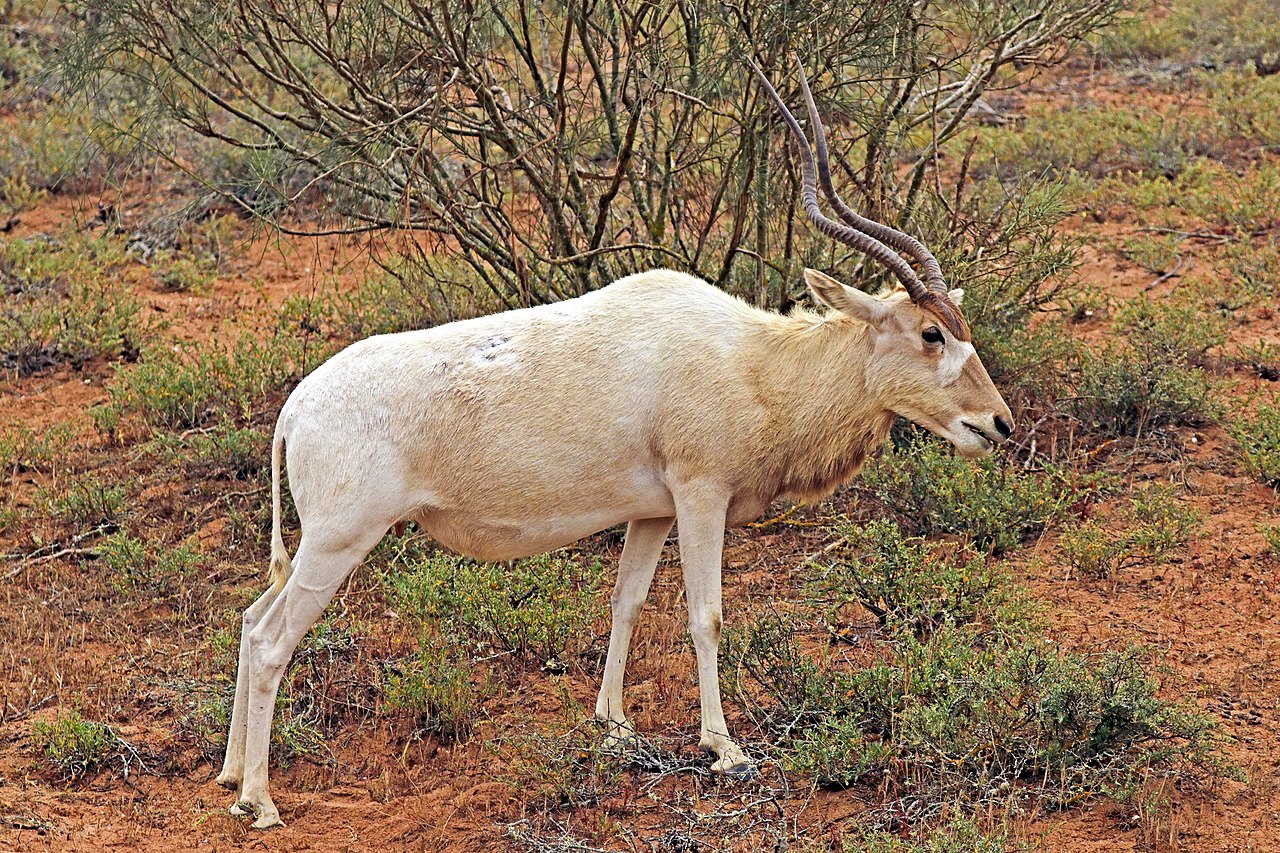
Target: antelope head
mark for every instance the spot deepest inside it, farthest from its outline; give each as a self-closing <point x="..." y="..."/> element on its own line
<point x="923" y="365"/>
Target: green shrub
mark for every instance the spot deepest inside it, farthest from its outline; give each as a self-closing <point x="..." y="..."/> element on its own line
<point x="65" y="304"/>
<point x="184" y="274"/>
<point x="558" y="766"/>
<point x="1259" y="439"/>
<point x="1233" y="33"/>
<point x="989" y="502"/>
<point x="1096" y="141"/>
<point x="178" y="389"/>
<point x="906" y="582"/>
<point x="971" y="713"/>
<point x="59" y="149"/>
<point x="1254" y="266"/>
<point x="1271" y="535"/>
<point x="222" y="451"/>
<point x="86" y="501"/>
<point x="836" y="753"/>
<point x="1125" y="391"/>
<point x="136" y="565"/>
<point x="951" y="834"/>
<point x="1150" y="376"/>
<point x="381" y="305"/>
<point x="437" y="688"/>
<point x="1177" y="331"/>
<point x="541" y="608"/>
<point x="73" y="745"/>
<point x="1146" y="530"/>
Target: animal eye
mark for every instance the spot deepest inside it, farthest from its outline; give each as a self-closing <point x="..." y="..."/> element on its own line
<point x="932" y="335"/>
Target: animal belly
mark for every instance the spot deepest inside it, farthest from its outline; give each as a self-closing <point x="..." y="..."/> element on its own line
<point x="493" y="539"/>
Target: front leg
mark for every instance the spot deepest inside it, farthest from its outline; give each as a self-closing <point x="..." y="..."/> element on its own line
<point x="645" y="538"/>
<point x="700" y="513"/>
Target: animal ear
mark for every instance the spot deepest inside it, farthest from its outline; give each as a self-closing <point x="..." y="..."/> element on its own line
<point x="957" y="295"/>
<point x="845" y="299"/>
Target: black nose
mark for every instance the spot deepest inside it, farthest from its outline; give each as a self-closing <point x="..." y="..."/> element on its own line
<point x="1003" y="427"/>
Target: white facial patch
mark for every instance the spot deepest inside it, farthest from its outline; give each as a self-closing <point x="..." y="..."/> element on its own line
<point x="954" y="356"/>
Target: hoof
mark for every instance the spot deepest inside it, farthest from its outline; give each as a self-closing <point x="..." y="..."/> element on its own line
<point x="228" y="781"/>
<point x="618" y="736"/>
<point x="266" y="815"/>
<point x="745" y="771"/>
<point x="733" y="764"/>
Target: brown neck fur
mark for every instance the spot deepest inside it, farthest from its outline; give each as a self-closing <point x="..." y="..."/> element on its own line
<point x="822" y="421"/>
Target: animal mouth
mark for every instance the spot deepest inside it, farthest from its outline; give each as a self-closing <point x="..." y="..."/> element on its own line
<point x="991" y="442"/>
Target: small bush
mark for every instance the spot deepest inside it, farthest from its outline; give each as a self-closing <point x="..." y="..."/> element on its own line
<point x="64" y="304"/>
<point x="950" y="834"/>
<point x="58" y="149"/>
<point x="1259" y="439"/>
<point x="906" y="582"/>
<point x="1123" y="391"/>
<point x="541" y="608"/>
<point x="973" y="713"/>
<point x="437" y="689"/>
<point x="223" y="451"/>
<point x="185" y="274"/>
<point x="73" y="745"/>
<point x="1147" y="530"/>
<point x="137" y="566"/>
<point x="177" y="389"/>
<point x="1271" y="535"/>
<point x="561" y="766"/>
<point x="836" y="753"/>
<point x="86" y="502"/>
<point x="989" y="502"/>
<point x="1209" y="31"/>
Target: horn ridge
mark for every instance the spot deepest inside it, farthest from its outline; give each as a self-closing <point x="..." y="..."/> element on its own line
<point x="899" y="240"/>
<point x="844" y="233"/>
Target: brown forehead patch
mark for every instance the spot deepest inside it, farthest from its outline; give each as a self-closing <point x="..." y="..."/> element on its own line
<point x="940" y="305"/>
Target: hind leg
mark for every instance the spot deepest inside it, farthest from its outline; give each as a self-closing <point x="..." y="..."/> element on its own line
<point x="319" y="570"/>
<point x="233" y="763"/>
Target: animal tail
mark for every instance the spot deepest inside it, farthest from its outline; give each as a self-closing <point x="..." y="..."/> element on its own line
<point x="281" y="567"/>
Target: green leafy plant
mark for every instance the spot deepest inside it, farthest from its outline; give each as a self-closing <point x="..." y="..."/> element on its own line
<point x="981" y="713"/>
<point x="74" y="745"/>
<point x="989" y="502"/>
<point x="1259" y="439"/>
<point x="179" y="389"/>
<point x="905" y="581"/>
<point x="437" y="688"/>
<point x="1271" y="535"/>
<point x="86" y="501"/>
<point x="65" y="303"/>
<point x="540" y="608"/>
<point x="135" y="565"/>
<point x="1146" y="530"/>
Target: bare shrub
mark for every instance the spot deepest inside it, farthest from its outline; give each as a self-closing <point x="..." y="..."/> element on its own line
<point x="553" y="147"/>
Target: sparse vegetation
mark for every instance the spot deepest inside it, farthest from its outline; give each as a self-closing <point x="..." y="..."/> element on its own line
<point x="1259" y="439"/>
<point x="1146" y="530"/>
<point x="982" y="707"/>
<point x="176" y="389"/>
<point x="135" y="566"/>
<point x="542" y="608"/>
<point x="904" y="582"/>
<point x="74" y="745"/>
<point x="64" y="304"/>
<point x="437" y="689"/>
<point x="990" y="503"/>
